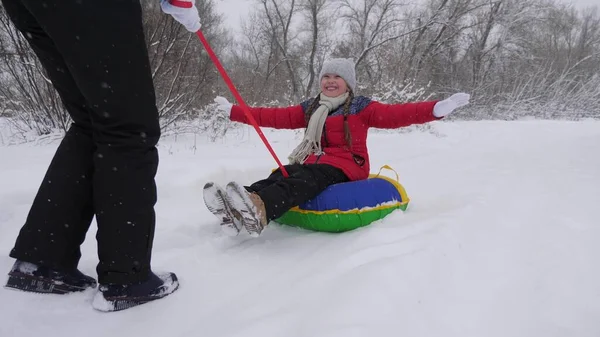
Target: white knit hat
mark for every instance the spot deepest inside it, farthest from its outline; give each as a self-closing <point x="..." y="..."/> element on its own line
<point x="341" y="67"/>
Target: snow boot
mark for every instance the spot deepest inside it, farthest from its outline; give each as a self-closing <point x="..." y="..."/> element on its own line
<point x="250" y="206"/>
<point x="116" y="297"/>
<point x="217" y="203"/>
<point x="33" y="278"/>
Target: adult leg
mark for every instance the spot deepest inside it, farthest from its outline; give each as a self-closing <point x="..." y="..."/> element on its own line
<point x="102" y="43"/>
<point x="62" y="210"/>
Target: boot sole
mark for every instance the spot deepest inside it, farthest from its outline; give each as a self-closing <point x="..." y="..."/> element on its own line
<point x="112" y="304"/>
<point x="216" y="202"/>
<point x="23" y="282"/>
<point x="236" y="198"/>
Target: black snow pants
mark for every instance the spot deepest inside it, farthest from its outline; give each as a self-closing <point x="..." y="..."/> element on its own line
<point x="303" y="184"/>
<point x="95" y="54"/>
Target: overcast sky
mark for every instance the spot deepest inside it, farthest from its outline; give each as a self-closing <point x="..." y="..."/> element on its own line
<point x="584" y="3"/>
<point x="234" y="10"/>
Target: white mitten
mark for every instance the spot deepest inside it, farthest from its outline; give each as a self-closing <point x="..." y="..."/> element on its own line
<point x="223" y="104"/>
<point x="445" y="107"/>
<point x="184" y="11"/>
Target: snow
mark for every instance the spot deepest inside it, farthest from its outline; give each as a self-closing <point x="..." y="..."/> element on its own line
<point x="500" y="239"/>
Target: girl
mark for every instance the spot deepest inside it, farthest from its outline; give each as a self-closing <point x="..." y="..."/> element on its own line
<point x="334" y="148"/>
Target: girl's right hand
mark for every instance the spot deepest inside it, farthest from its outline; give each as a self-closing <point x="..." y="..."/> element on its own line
<point x="223" y="104"/>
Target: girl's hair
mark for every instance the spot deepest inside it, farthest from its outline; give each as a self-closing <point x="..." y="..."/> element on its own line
<point x="315" y="104"/>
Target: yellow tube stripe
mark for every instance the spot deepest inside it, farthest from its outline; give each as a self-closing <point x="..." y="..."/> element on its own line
<point x="386" y="205"/>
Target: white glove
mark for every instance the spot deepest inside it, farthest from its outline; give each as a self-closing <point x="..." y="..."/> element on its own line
<point x="223" y="104"/>
<point x="184" y="11"/>
<point x="445" y="107"/>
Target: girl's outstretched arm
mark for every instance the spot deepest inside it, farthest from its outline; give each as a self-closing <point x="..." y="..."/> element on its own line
<point x="392" y="116"/>
<point x="279" y="118"/>
<point x="291" y="117"/>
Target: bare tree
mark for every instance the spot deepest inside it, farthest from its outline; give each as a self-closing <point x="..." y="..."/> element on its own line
<point x="279" y="15"/>
<point x="182" y="72"/>
<point x="516" y="57"/>
<point x="447" y="22"/>
<point x="371" y="24"/>
<point x="482" y="40"/>
<point x="280" y="48"/>
<point x="315" y="14"/>
<point x="24" y="87"/>
<point x="257" y="65"/>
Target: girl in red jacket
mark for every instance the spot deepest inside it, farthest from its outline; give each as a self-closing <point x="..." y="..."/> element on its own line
<point x="334" y="148"/>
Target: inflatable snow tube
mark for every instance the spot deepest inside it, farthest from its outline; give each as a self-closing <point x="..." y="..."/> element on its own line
<point x="347" y="206"/>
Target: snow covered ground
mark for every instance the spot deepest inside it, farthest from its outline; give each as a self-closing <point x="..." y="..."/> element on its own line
<point x="501" y="239"/>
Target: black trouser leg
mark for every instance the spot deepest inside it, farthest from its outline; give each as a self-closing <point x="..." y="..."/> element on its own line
<point x="62" y="210"/>
<point x="103" y="76"/>
<point x="303" y="184"/>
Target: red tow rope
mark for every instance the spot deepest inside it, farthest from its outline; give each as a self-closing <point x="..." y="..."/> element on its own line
<point x="239" y="99"/>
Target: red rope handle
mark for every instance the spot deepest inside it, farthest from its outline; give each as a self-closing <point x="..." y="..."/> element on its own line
<point x="239" y="99"/>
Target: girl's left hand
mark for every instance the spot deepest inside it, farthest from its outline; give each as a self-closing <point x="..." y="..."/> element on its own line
<point x="447" y="106"/>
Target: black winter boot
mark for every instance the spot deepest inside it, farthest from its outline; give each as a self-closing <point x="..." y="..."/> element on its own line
<point x="31" y="277"/>
<point x="116" y="297"/>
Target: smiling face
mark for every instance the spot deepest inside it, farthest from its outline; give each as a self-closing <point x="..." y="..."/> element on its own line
<point x="333" y="85"/>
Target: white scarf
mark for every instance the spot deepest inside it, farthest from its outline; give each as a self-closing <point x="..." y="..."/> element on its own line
<point x="312" y="137"/>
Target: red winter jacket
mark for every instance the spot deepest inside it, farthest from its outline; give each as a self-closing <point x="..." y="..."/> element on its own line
<point x="354" y="162"/>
